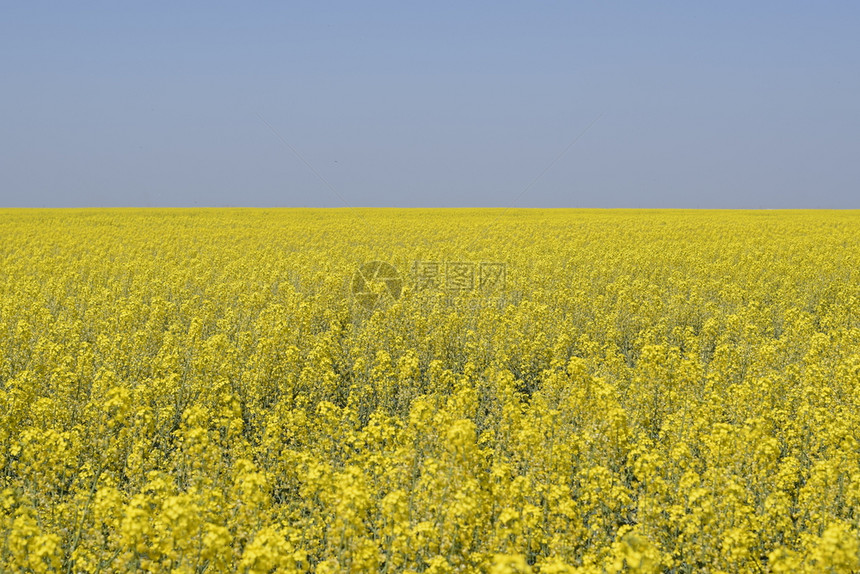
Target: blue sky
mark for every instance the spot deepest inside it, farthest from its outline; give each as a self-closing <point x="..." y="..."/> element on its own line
<point x="436" y="104"/>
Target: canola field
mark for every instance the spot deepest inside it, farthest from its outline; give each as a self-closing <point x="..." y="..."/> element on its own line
<point x="547" y="391"/>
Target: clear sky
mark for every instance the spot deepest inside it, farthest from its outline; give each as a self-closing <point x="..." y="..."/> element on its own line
<point x="440" y="104"/>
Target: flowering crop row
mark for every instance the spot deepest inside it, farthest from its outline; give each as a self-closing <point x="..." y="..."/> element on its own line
<point x="650" y="391"/>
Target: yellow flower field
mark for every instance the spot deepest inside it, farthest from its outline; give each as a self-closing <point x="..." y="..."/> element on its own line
<point x="527" y="391"/>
